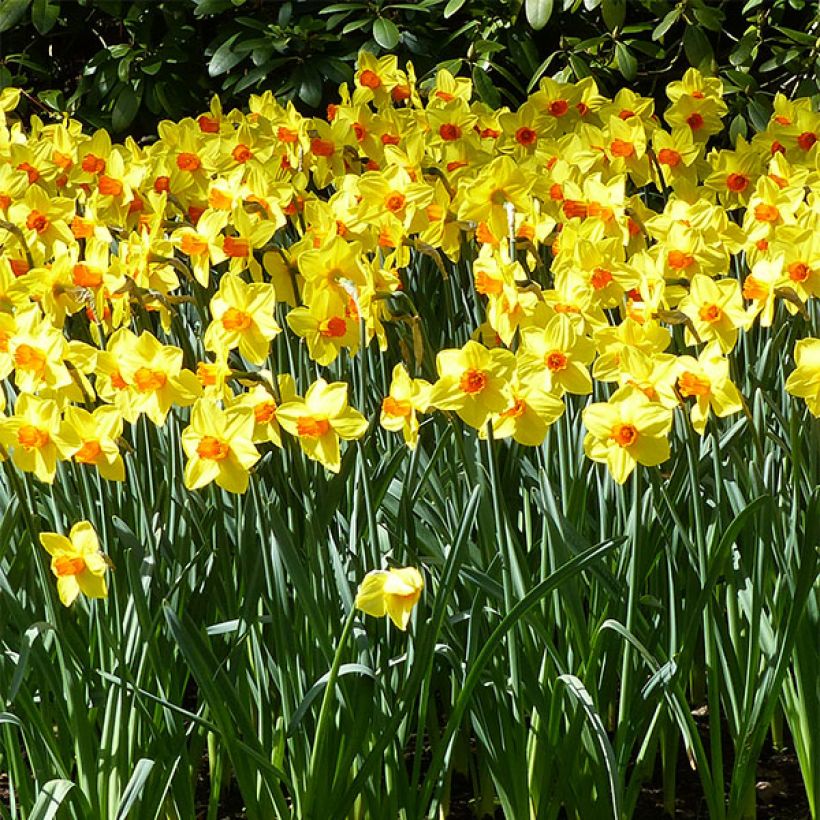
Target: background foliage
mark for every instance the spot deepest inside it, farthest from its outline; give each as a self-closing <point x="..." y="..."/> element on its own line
<point x="125" y="64"/>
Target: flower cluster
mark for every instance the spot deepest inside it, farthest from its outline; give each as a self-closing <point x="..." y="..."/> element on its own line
<point x="591" y="227"/>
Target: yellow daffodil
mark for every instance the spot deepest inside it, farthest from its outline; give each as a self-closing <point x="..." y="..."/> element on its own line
<point x="243" y="317"/>
<point x="219" y="446"/>
<point x="38" y="437"/>
<point x="77" y="562"/>
<point x="392" y="592"/>
<point x="320" y="419"/>
<point x="406" y="399"/>
<point x="627" y="430"/>
<point x="706" y="379"/>
<point x="559" y="354"/>
<point x="715" y="308"/>
<point x="472" y="382"/>
<point x="804" y="380"/>
<point x="98" y="431"/>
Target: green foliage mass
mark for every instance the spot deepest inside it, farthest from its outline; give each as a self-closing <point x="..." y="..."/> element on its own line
<point x="125" y="64"/>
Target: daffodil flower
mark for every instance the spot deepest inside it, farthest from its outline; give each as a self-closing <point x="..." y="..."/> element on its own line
<point x="392" y="592"/>
<point x="77" y="562"/>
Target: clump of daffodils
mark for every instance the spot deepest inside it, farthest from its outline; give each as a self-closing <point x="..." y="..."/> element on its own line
<point x="294" y="235"/>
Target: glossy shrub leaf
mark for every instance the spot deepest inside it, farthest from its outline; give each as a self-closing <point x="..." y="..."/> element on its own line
<point x="224" y="58"/>
<point x="125" y="108"/>
<point x="627" y="64"/>
<point x="385" y="33"/>
<point x="44" y="15"/>
<point x="485" y="88"/>
<point x="11" y="12"/>
<point x="538" y="13"/>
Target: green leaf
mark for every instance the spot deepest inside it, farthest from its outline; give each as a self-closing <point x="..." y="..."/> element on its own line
<point x="671" y="18"/>
<point x="485" y="88"/>
<point x="135" y="786"/>
<point x="627" y="64"/>
<point x="385" y="33"/>
<point x="125" y="108"/>
<point x="310" y="86"/>
<point x="580" y="693"/>
<point x="11" y="12"/>
<point x="697" y="47"/>
<point x="452" y="7"/>
<point x="538" y="13"/>
<point x="50" y="799"/>
<point x="709" y="18"/>
<point x="224" y="58"/>
<point x="44" y="15"/>
<point x="614" y="13"/>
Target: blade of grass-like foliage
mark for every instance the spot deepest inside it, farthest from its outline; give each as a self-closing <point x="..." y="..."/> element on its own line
<point x="50" y="799"/>
<point x="530" y="600"/>
<point x="135" y="786"/>
<point x="578" y="690"/>
<point x="231" y="719"/>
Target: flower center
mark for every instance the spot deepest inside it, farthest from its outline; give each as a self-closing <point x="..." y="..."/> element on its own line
<point x="558" y="108"/>
<point x="398" y="408"/>
<point x="369" y="79"/>
<point x="192" y="245"/>
<point x="737" y="182"/>
<point x="29" y="358"/>
<point x="691" y="385"/>
<point x="555" y="361"/>
<point x="333" y="328"/>
<point x="624" y="435"/>
<point x="710" y="313"/>
<point x="234" y="319"/>
<point x="32" y="437"/>
<point x="264" y="411"/>
<point x="188" y="162"/>
<point x="310" y="427"/>
<point x="799" y="271"/>
<point x="600" y="278"/>
<point x="69" y="565"/>
<point x="679" y="260"/>
<point x="394" y="202"/>
<point x="766" y="213"/>
<point x="84" y="277"/>
<point x="235" y="248"/>
<point x="695" y="121"/>
<point x="515" y="410"/>
<point x="526" y="136"/>
<point x="473" y="381"/>
<point x="149" y="381"/>
<point x="37" y="221"/>
<point x="621" y="148"/>
<point x="213" y="448"/>
<point x="92" y="164"/>
<point x="88" y="453"/>
<point x="753" y="288"/>
<point x="667" y="156"/>
<point x="449" y="132"/>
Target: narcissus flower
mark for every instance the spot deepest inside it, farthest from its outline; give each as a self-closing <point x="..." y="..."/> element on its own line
<point x="38" y="437"/>
<point x="706" y="379"/>
<point x="77" y="562"/>
<point x="243" y="318"/>
<point x="320" y="420"/>
<point x="804" y="381"/>
<point x="407" y="398"/>
<point x="219" y="446"/>
<point x="392" y="592"/>
<point x="472" y="382"/>
<point x="627" y="430"/>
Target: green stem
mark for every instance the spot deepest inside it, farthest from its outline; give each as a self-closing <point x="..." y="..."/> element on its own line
<point x="324" y="716"/>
